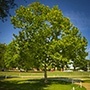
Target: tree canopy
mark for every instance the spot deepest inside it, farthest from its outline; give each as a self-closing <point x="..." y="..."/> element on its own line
<point x="46" y="37"/>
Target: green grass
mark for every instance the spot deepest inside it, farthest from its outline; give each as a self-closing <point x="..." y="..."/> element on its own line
<point x="80" y="75"/>
<point x="37" y="84"/>
<point x="88" y="80"/>
<point x="34" y="81"/>
<point x="54" y="73"/>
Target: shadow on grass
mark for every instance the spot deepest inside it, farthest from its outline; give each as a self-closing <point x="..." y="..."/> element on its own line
<point x="32" y="84"/>
<point x="7" y="77"/>
<point x="21" y="85"/>
<point x="87" y="81"/>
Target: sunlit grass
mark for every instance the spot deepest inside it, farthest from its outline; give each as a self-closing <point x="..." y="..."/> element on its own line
<point x="81" y="75"/>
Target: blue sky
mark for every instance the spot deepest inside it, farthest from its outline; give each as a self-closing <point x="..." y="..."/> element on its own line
<point x="77" y="10"/>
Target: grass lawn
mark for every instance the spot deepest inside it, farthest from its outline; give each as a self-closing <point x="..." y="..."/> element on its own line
<point x="36" y="84"/>
<point x="50" y="73"/>
<point x="34" y="81"/>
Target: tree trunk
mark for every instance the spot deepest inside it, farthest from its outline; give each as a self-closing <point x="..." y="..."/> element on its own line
<point x="74" y="67"/>
<point x="45" y="73"/>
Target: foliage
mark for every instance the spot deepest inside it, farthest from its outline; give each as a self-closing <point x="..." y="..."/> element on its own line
<point x="47" y="36"/>
<point x="5" y="6"/>
<point x="10" y="57"/>
<point x="2" y="51"/>
<point x="14" y="58"/>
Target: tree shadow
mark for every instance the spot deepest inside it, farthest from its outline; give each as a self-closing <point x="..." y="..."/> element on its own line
<point x="22" y="85"/>
<point x="32" y="84"/>
<point x="65" y="80"/>
<point x="2" y="77"/>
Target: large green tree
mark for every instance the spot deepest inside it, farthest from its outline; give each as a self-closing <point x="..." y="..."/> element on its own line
<point x="47" y="34"/>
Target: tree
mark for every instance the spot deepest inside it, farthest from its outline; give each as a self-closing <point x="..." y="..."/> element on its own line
<point x="14" y="57"/>
<point x="10" y="56"/>
<point x="47" y="35"/>
<point x="2" y="52"/>
<point x="5" y="6"/>
<point x="77" y="44"/>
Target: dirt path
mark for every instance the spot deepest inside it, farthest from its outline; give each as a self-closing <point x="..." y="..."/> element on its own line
<point x="86" y="85"/>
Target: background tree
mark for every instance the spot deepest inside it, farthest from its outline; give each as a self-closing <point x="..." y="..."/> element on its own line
<point x="88" y="64"/>
<point x="46" y="34"/>
<point x="16" y="56"/>
<point x="10" y="56"/>
<point x="5" y="6"/>
<point x="2" y="52"/>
